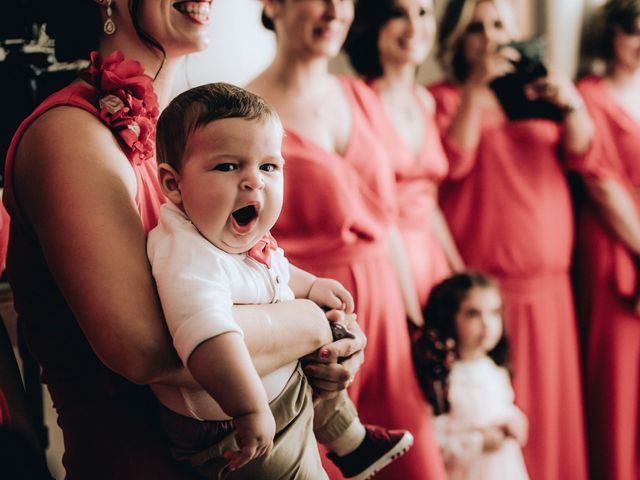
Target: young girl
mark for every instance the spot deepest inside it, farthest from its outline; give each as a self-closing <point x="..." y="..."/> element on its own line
<point x="478" y="427"/>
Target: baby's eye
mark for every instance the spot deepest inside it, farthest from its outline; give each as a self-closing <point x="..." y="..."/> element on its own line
<point x="268" y="167"/>
<point x="225" y="167"/>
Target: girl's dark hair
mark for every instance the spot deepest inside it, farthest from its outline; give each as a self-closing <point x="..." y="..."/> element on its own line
<point x="76" y="25"/>
<point x="361" y="45"/>
<point x="439" y="336"/>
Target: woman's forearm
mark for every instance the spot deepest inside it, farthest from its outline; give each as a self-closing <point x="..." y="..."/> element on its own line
<point x="578" y="130"/>
<point x="443" y="234"/>
<point x="618" y="210"/>
<point x="280" y="333"/>
<point x="464" y="129"/>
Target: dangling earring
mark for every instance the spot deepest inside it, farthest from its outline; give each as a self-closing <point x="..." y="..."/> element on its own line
<point x="109" y="27"/>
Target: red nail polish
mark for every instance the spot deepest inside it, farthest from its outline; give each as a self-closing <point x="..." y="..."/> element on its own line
<point x="324" y="353"/>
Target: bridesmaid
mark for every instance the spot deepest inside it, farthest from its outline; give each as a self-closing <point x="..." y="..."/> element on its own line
<point x="609" y="249"/>
<point x="388" y="41"/>
<point x="508" y="203"/>
<point x="339" y="209"/>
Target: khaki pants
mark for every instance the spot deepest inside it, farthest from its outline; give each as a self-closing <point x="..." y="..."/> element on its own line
<point x="295" y="452"/>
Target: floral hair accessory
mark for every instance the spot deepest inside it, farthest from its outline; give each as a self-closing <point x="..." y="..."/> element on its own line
<point x="127" y="102"/>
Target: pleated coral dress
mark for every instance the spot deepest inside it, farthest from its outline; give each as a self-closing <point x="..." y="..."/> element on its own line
<point x="509" y="210"/>
<point x="417" y="180"/>
<point x="335" y="222"/>
<point x="606" y="282"/>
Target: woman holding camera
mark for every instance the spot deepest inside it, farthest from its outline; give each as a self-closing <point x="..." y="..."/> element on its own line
<point x="509" y="208"/>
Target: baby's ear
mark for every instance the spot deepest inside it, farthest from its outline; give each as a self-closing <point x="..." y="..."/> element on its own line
<point x="169" y="182"/>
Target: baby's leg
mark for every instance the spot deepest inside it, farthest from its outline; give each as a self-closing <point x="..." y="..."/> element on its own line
<point x="336" y="424"/>
<point x="357" y="450"/>
<point x="295" y="453"/>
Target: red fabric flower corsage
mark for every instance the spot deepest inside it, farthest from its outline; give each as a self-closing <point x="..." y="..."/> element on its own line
<point x="127" y="102"/>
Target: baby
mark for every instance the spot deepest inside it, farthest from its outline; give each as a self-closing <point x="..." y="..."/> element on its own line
<point x="221" y="167"/>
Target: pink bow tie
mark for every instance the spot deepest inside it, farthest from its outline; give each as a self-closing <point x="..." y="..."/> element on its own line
<point x="261" y="251"/>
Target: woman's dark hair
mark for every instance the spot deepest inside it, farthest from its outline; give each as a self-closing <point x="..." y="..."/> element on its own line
<point x="614" y="15"/>
<point x="440" y="335"/>
<point x="361" y="44"/>
<point x="76" y="25"/>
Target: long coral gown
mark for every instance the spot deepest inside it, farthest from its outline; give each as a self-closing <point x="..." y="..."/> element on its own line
<point x="509" y="210"/>
<point x="335" y="222"/>
<point x="606" y="282"/>
<point x="110" y="430"/>
<point x="417" y="180"/>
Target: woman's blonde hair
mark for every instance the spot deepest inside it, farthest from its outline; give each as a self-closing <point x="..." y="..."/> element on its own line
<point x="453" y="27"/>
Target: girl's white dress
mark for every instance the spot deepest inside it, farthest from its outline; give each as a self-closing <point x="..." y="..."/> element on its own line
<point x="480" y="395"/>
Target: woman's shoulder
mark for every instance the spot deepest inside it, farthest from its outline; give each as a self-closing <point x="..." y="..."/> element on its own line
<point x="445" y="94"/>
<point x="591" y="87"/>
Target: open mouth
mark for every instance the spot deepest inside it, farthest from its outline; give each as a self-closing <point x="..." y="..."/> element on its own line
<point x="198" y="11"/>
<point x="244" y="218"/>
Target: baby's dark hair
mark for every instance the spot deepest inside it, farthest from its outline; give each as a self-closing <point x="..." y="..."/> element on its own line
<point x="200" y="106"/>
<point x="434" y="349"/>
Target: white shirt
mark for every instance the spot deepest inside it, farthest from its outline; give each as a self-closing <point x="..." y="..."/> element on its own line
<point x="198" y="284"/>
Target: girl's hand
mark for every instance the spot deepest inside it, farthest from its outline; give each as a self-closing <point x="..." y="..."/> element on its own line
<point x="332" y="368"/>
<point x="558" y="90"/>
<point x="517" y="427"/>
<point x="330" y="293"/>
<point x="254" y="434"/>
<point x="492" y="438"/>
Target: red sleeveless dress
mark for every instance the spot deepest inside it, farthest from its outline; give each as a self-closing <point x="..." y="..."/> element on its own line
<point x="109" y="427"/>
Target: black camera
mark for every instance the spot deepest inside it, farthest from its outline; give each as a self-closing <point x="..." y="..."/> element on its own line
<point x="509" y="88"/>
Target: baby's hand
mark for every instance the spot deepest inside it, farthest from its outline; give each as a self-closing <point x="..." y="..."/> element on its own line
<point x="254" y="434"/>
<point x="330" y="293"/>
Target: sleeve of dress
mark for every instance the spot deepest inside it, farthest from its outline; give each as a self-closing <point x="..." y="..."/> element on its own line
<point x="461" y="160"/>
<point x="458" y="442"/>
<point x="194" y="290"/>
<point x="599" y="160"/>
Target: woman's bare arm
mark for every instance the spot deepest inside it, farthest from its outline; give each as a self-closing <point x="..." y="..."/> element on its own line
<point x="617" y="209"/>
<point x="443" y="234"/>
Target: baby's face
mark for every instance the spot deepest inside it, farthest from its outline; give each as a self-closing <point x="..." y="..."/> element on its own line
<point x="231" y="180"/>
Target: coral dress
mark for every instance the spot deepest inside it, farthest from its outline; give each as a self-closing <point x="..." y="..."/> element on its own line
<point x="509" y="210"/>
<point x="417" y="180"/>
<point x="606" y="283"/>
<point x="108" y="423"/>
<point x="335" y="221"/>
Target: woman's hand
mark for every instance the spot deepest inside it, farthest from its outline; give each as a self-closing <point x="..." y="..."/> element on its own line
<point x="556" y="89"/>
<point x="491" y="65"/>
<point x="332" y="368"/>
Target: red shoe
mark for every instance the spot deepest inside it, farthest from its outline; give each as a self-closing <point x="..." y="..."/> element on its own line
<point x="379" y="448"/>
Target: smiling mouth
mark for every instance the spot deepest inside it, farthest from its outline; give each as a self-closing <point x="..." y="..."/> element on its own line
<point x="197" y="11"/>
<point x="244" y="218"/>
